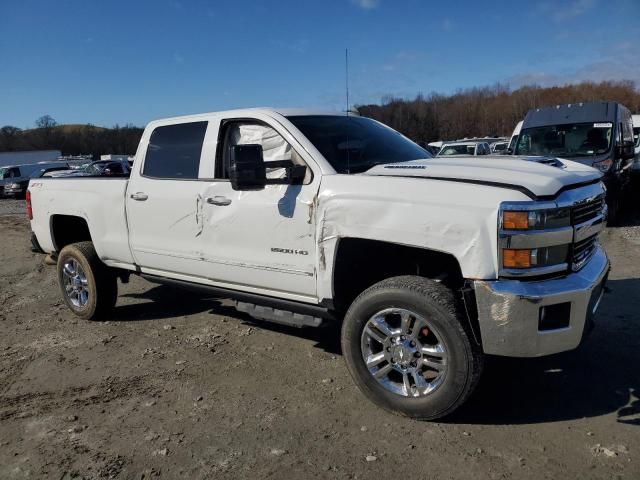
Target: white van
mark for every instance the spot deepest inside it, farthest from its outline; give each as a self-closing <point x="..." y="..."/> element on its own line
<point x="514" y="137"/>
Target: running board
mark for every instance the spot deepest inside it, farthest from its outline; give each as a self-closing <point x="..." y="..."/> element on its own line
<point x="283" y="317"/>
<point x="277" y="310"/>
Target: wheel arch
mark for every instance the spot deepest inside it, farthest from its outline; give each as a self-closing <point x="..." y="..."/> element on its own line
<point x="359" y="263"/>
<point x="68" y="229"/>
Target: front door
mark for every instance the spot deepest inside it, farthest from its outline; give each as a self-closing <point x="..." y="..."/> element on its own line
<point x="260" y="240"/>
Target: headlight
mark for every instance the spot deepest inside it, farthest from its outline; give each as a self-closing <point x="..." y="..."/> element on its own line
<point x="536" y="219"/>
<point x="603" y="165"/>
<point x="534" y="257"/>
<point x="13" y="185"/>
<point x="534" y="238"/>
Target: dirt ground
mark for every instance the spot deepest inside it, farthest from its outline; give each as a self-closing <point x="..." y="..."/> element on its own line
<point x="178" y="385"/>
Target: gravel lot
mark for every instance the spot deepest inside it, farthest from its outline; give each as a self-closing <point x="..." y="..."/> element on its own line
<point x="178" y="385"/>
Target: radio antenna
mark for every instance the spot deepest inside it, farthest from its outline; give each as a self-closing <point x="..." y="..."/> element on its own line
<point x="346" y="79"/>
<point x="346" y="69"/>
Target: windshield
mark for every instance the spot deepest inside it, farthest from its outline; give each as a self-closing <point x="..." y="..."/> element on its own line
<point x="636" y="136"/>
<point x="457" y="150"/>
<point x="570" y="140"/>
<point x="355" y="144"/>
<point x="3" y="172"/>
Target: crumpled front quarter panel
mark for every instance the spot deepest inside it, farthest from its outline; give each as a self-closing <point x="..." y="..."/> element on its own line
<point x="450" y="217"/>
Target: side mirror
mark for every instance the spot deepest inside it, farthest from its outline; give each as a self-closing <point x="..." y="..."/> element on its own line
<point x="246" y="168"/>
<point x="625" y="151"/>
<point x="509" y="151"/>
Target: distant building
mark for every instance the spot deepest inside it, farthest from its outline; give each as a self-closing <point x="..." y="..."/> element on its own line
<point x="28" y="157"/>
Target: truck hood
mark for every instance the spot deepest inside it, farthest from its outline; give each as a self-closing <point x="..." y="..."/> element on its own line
<point x="539" y="176"/>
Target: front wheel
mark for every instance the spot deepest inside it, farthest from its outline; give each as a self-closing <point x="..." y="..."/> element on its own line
<point x="88" y="286"/>
<point x="408" y="349"/>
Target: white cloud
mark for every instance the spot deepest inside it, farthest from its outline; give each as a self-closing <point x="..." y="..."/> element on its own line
<point x="298" y="45"/>
<point x="366" y="4"/>
<point x="623" y="67"/>
<point x="560" y="11"/>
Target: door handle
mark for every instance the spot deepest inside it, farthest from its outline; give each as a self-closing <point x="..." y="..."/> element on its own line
<point x="219" y="201"/>
<point x="139" y="196"/>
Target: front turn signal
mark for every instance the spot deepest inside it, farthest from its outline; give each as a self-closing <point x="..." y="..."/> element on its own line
<point x="516" y="258"/>
<point x="515" y="220"/>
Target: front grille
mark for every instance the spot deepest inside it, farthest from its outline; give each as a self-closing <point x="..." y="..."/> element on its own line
<point x="583" y="250"/>
<point x="586" y="211"/>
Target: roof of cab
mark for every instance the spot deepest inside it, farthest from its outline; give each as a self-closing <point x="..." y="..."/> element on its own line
<point x="572" y="113"/>
<point x="241" y="112"/>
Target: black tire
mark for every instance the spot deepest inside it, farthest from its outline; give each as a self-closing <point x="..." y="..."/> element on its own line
<point x="102" y="285"/>
<point x="436" y="303"/>
<point x="613" y="204"/>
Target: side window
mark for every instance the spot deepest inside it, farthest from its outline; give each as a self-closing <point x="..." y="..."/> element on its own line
<point x="627" y="130"/>
<point x="246" y="132"/>
<point x="116" y="168"/>
<point x="174" y="151"/>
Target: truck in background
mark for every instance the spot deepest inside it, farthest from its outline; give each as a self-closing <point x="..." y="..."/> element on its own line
<point x="598" y="134"/>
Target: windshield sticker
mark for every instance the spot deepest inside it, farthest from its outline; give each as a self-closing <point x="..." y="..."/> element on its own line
<point x="602" y="125"/>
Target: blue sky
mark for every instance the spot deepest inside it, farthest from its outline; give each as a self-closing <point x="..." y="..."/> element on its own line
<point x="107" y="62"/>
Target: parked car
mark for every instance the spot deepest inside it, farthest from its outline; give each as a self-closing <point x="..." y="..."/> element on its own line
<point x="17" y="187"/>
<point x="99" y="168"/>
<point x="429" y="264"/>
<point x="464" y="148"/>
<point x="598" y="134"/>
<point x="12" y="176"/>
<point x="499" y="148"/>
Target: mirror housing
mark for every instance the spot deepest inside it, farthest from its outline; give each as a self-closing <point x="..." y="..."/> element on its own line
<point x="248" y="170"/>
<point x="246" y="167"/>
<point x="625" y="151"/>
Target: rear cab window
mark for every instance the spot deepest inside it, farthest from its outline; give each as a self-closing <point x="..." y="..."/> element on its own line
<point x="174" y="151"/>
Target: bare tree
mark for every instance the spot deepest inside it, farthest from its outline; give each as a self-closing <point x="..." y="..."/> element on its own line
<point x="46" y="121"/>
<point x="494" y="110"/>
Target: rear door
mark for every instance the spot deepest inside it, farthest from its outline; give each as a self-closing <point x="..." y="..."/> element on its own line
<point x="164" y="201"/>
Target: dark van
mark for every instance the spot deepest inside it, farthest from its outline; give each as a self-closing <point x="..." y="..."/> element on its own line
<point x="598" y="134"/>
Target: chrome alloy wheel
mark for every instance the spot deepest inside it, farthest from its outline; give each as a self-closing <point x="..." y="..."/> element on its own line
<point x="76" y="285"/>
<point x="403" y="352"/>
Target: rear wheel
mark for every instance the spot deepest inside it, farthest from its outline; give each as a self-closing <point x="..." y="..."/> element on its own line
<point x="88" y="286"/>
<point x="407" y="349"/>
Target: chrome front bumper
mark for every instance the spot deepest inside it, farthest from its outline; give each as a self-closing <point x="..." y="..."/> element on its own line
<point x="509" y="311"/>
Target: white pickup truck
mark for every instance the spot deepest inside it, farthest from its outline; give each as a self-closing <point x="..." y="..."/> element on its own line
<point x="305" y="218"/>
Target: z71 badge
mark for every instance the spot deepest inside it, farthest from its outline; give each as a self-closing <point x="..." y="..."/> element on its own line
<point x="292" y="251"/>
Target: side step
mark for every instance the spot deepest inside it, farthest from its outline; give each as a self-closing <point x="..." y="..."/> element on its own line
<point x="283" y="317"/>
<point x="277" y="310"/>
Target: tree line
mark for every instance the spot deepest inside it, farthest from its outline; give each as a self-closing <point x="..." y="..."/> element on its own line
<point x="488" y="111"/>
<point x="71" y="139"/>
<point x="474" y="112"/>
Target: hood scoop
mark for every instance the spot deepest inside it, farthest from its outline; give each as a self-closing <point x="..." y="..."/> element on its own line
<point x="551" y="161"/>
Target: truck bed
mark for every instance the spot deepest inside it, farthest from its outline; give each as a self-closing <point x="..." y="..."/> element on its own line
<point x="100" y="201"/>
